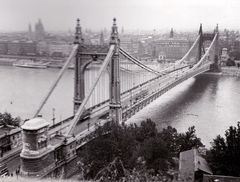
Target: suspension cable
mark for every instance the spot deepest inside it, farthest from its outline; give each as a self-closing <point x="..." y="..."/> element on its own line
<point x="49" y="92"/>
<point x="135" y="61"/>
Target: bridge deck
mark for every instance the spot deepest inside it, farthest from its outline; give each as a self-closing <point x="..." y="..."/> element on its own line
<point x="81" y="128"/>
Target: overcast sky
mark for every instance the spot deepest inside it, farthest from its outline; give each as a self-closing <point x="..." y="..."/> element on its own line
<point x="130" y="14"/>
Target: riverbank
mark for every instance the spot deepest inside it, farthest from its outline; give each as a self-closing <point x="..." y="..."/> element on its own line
<point x="231" y="71"/>
<point x="226" y="71"/>
<point x="7" y="62"/>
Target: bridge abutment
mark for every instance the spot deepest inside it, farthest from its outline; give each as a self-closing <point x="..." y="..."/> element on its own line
<point x="45" y="158"/>
<point x="37" y="154"/>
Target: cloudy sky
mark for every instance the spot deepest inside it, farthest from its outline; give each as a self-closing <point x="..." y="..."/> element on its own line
<point x="130" y="14"/>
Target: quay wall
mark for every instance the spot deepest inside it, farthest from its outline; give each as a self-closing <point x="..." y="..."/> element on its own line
<point x="231" y="71"/>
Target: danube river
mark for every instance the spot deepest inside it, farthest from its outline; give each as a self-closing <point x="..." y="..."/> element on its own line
<point x="210" y="103"/>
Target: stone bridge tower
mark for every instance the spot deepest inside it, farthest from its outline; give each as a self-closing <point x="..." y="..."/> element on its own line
<point x="209" y="37"/>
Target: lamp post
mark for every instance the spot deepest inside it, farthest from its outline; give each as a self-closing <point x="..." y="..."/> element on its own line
<point x="53" y="117"/>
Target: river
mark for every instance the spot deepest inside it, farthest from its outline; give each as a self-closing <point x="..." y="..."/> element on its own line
<point x="210" y="103"/>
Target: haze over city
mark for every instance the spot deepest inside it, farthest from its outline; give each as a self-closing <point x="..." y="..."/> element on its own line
<point x="56" y="15"/>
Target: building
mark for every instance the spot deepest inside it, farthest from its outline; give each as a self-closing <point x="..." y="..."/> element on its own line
<point x="173" y="46"/>
<point x="3" y="47"/>
<point x="59" y="49"/>
<point x="126" y="43"/>
<point x="10" y="138"/>
<point x="235" y="49"/>
<point x="101" y="39"/>
<point x="42" y="48"/>
<point x="224" y="56"/>
<point x="162" y="57"/>
<point x="30" y="33"/>
<point x="192" y="166"/>
<point x="24" y="48"/>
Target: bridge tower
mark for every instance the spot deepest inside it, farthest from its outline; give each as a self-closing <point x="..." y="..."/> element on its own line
<point x="115" y="100"/>
<point x="79" y="75"/>
<point x="86" y="55"/>
<point x="209" y="37"/>
<point x="217" y="51"/>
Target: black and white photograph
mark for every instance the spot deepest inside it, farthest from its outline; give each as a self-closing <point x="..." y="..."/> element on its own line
<point x="120" y="90"/>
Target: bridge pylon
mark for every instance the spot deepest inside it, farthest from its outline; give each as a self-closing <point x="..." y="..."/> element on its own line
<point x="86" y="55"/>
<point x="209" y="37"/>
<point x="217" y="52"/>
<point x="114" y="87"/>
<point x="79" y="88"/>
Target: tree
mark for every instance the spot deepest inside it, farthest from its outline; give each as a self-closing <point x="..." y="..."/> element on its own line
<point x="224" y="156"/>
<point x="6" y="119"/>
<point x="171" y="137"/>
<point x="134" y="148"/>
<point x="156" y="154"/>
<point x="112" y="140"/>
<point x="189" y="140"/>
<point x="178" y="142"/>
<point x="146" y="130"/>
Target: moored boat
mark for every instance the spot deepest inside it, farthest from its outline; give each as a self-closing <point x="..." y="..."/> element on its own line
<point x="31" y="64"/>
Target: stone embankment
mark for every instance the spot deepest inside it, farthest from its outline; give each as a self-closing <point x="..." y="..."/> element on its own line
<point x="231" y="71"/>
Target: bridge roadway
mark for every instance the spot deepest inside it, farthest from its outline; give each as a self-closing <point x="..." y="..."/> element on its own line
<point x="85" y="127"/>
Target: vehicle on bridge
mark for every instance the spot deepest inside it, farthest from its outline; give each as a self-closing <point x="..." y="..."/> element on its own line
<point x="85" y="115"/>
<point x="140" y="95"/>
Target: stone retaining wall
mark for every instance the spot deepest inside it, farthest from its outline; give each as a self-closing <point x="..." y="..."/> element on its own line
<point x="231" y="71"/>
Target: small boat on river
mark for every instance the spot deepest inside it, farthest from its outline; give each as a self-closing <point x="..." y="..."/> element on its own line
<point x="31" y="64"/>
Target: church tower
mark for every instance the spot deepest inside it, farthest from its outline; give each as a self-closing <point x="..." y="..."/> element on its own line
<point x="39" y="31"/>
<point x="101" y="39"/>
<point x="171" y="33"/>
<point x="30" y="33"/>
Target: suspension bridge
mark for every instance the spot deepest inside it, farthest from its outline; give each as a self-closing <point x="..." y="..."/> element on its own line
<point x="109" y="85"/>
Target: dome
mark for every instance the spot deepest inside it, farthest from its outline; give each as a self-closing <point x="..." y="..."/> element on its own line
<point x="35" y="124"/>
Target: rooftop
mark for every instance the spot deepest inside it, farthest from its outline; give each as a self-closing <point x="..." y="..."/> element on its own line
<point x="35" y="124"/>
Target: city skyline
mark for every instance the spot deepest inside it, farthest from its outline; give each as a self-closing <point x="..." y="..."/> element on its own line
<point x="130" y="14"/>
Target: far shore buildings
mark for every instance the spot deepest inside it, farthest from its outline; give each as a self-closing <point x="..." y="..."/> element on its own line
<point x="163" y="47"/>
<point x="36" y="43"/>
<point x="172" y="47"/>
